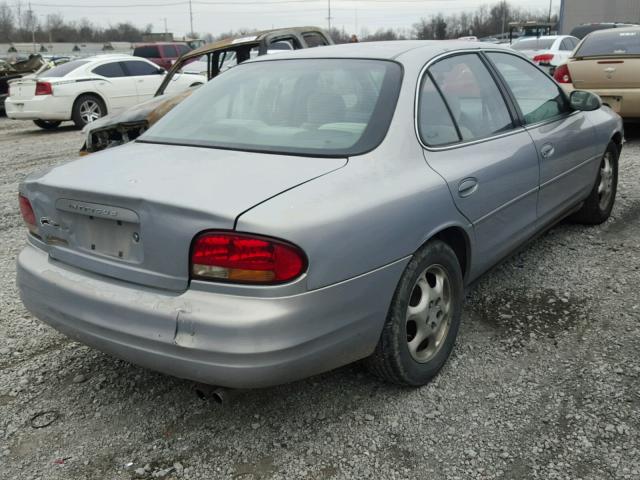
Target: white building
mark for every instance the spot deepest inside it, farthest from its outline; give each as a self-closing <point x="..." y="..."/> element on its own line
<point x="578" y="12"/>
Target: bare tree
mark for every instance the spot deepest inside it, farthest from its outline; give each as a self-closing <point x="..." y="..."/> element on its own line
<point x="6" y="22"/>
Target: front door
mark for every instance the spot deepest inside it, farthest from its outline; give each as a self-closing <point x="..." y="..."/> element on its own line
<point x="115" y="86"/>
<point x="147" y="78"/>
<point x="563" y="138"/>
<point x="489" y="163"/>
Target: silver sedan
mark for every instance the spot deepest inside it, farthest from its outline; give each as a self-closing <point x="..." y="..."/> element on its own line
<point x="302" y="212"/>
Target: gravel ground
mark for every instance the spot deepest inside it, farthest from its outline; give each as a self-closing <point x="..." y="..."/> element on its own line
<point x="543" y="382"/>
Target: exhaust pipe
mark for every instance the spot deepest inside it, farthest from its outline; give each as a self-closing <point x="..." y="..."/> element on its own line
<point x="220" y="395"/>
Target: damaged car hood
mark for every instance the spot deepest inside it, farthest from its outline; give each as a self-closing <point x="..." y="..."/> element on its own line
<point x="150" y="112"/>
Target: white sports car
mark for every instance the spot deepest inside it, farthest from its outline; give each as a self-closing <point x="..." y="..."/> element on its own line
<point x="86" y="89"/>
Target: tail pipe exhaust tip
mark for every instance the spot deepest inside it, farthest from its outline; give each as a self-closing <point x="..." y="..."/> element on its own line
<point x="220" y="395"/>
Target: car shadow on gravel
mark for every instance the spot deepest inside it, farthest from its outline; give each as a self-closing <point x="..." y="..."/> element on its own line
<point x="37" y="131"/>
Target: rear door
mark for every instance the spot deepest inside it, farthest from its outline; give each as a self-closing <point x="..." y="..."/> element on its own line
<point x="115" y="86"/>
<point x="146" y="77"/>
<point x="489" y="163"/>
<point x="563" y="137"/>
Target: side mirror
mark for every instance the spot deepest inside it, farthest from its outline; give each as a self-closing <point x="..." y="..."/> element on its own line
<point x="584" y="101"/>
<point x="161" y="71"/>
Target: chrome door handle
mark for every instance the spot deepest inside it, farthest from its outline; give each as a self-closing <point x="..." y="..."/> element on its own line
<point x="547" y="150"/>
<point x="467" y="187"/>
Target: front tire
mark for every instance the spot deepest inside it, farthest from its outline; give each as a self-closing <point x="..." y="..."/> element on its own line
<point x="86" y="109"/>
<point x="47" y="124"/>
<point x="597" y="207"/>
<point x="423" y="319"/>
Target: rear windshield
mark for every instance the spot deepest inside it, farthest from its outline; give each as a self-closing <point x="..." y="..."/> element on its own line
<point x="320" y="107"/>
<point x="612" y="42"/>
<point x="64" y="69"/>
<point x="533" y="44"/>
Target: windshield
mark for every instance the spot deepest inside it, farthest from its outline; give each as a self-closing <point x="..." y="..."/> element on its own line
<point x="321" y="107"/>
<point x="64" y="69"/>
<point x="612" y="42"/>
<point x="533" y="44"/>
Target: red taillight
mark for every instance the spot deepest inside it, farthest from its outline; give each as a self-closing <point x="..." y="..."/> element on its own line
<point x="28" y="215"/>
<point x="44" y="88"/>
<point x="562" y="74"/>
<point x="543" y="58"/>
<point x="242" y="258"/>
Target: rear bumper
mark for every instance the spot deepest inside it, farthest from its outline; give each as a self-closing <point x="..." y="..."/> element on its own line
<point x="45" y="107"/>
<point x="625" y="102"/>
<point x="227" y="340"/>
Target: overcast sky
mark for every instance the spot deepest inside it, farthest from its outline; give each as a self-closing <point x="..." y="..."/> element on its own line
<point x="218" y="16"/>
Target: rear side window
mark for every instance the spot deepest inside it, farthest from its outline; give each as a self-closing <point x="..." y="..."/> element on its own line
<point x="538" y="97"/>
<point x="435" y="125"/>
<point x="566" y="45"/>
<point x="314" y="39"/>
<point x="472" y="96"/>
<point x="136" y="68"/>
<point x="110" y="70"/>
<point x="182" y="49"/>
<point x="169" y="51"/>
<point x="64" y="69"/>
<point x="533" y="44"/>
<point x="148" y="51"/>
<point x="613" y="42"/>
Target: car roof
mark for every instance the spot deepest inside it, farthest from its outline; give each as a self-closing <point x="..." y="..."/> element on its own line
<point x="109" y="56"/>
<point x="608" y="31"/>
<point x="542" y="37"/>
<point x="150" y="44"/>
<point x="387" y="50"/>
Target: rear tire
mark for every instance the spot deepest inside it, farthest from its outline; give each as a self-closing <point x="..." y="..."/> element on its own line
<point x="86" y="109"/>
<point x="598" y="205"/>
<point x="47" y="124"/>
<point x="423" y="319"/>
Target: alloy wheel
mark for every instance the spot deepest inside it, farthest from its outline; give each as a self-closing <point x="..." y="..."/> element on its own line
<point x="90" y="111"/>
<point x="428" y="315"/>
<point x="605" y="188"/>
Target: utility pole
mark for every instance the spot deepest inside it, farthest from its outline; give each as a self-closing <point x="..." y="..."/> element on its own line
<point x="191" y="17"/>
<point x="166" y="32"/>
<point x="329" y="14"/>
<point x="550" y="7"/>
<point x="33" y="27"/>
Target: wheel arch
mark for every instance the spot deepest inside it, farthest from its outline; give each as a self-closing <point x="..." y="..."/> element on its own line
<point x="617" y="138"/>
<point x="460" y="242"/>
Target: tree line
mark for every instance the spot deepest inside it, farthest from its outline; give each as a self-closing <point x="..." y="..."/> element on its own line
<point x="20" y="24"/>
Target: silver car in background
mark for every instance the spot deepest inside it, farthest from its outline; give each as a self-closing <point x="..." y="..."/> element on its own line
<point x="304" y="211"/>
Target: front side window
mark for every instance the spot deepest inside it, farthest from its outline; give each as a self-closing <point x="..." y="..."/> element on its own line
<point x="137" y="68"/>
<point x="435" y="125"/>
<point x="110" y="70"/>
<point x="319" y="107"/>
<point x="472" y="96"/>
<point x="538" y="97"/>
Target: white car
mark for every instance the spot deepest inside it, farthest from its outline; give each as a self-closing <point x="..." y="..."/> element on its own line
<point x="549" y="52"/>
<point x="86" y="89"/>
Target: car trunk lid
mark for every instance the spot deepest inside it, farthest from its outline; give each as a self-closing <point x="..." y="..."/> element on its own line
<point x="131" y="212"/>
<point x="22" y="89"/>
<point x="605" y="73"/>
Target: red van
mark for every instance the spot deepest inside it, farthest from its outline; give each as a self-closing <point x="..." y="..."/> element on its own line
<point x="163" y="54"/>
